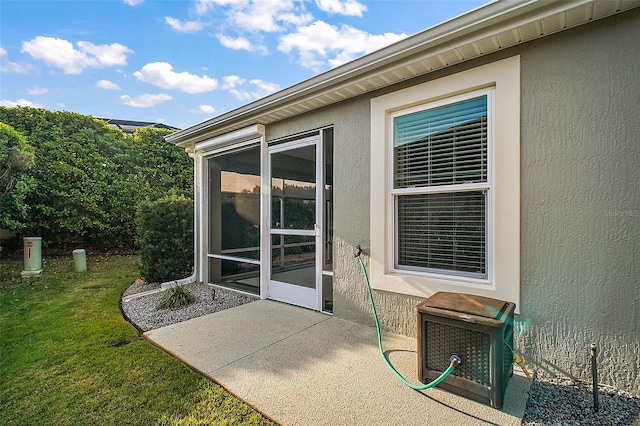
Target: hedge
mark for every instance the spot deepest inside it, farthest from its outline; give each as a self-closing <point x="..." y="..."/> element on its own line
<point x="88" y="178"/>
<point x="165" y="238"/>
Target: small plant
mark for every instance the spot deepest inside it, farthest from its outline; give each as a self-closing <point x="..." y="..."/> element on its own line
<point x="176" y="297"/>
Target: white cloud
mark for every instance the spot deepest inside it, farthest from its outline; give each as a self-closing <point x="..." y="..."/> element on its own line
<point x="263" y="88"/>
<point x="107" y="54"/>
<point x="207" y="109"/>
<point x="145" y="101"/>
<point x="62" y="54"/>
<point x="258" y="16"/>
<point x="7" y="66"/>
<point x="321" y="43"/>
<point x="203" y="6"/>
<point x="106" y="84"/>
<point x="246" y="20"/>
<point x="161" y="74"/>
<point x="15" y="68"/>
<point x="296" y="19"/>
<point x="347" y="7"/>
<point x="231" y="81"/>
<point x="317" y="45"/>
<point x="183" y="27"/>
<point x="133" y="2"/>
<point x="266" y="16"/>
<point x="35" y="90"/>
<point x="240" y="43"/>
<point x="259" y="89"/>
<point x="242" y="95"/>
<point x="252" y="20"/>
<point x="58" y="52"/>
<point x="20" y="103"/>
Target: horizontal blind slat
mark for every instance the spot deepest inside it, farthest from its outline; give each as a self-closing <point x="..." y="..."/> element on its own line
<point x="442" y="146"/>
<point x="443" y="231"/>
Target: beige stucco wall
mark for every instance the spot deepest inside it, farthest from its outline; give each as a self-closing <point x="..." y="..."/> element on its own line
<point x="580" y="202"/>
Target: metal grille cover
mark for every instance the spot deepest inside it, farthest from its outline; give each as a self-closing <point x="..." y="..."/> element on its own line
<point x="473" y="347"/>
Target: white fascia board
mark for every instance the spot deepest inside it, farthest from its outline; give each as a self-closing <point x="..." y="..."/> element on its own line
<point x="238" y="136"/>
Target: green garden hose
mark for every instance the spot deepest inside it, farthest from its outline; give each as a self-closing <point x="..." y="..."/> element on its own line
<point x="454" y="361"/>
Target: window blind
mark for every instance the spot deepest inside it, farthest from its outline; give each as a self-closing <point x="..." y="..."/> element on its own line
<point x="446" y="145"/>
<point x="443" y="231"/>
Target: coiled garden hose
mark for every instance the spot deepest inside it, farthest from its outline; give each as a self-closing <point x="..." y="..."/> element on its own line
<point x="454" y="360"/>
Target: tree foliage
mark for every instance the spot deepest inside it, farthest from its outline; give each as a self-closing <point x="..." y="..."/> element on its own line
<point x="165" y="238"/>
<point x="163" y="167"/>
<point x="88" y="177"/>
<point x="16" y="157"/>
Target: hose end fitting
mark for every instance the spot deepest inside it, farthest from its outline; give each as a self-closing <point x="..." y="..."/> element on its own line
<point x="455" y="360"/>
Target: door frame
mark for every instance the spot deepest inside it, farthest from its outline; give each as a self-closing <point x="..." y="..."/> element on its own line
<point x="290" y="293"/>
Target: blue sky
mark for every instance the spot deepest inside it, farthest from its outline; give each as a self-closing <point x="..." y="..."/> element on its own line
<point x="183" y="62"/>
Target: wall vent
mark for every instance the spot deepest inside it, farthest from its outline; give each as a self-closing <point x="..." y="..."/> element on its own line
<point x="480" y="331"/>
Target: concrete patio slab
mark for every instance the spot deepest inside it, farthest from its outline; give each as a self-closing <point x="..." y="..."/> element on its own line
<point x="301" y="367"/>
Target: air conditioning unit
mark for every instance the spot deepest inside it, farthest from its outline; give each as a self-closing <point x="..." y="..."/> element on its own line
<point x="477" y="329"/>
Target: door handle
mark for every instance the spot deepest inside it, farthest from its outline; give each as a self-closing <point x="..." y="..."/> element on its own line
<point x="316" y="228"/>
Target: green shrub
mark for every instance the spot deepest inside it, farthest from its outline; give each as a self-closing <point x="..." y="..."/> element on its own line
<point x="165" y="238"/>
<point x="176" y="297"/>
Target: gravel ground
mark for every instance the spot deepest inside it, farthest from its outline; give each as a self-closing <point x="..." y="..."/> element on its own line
<point x="143" y="313"/>
<point x="565" y="402"/>
<point x="552" y="401"/>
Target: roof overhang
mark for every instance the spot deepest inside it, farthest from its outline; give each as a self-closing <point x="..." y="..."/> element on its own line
<point x="482" y="31"/>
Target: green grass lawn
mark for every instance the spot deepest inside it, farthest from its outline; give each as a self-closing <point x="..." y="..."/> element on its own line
<point x="67" y="357"/>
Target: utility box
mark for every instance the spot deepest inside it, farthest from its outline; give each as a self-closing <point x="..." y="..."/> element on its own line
<point x="32" y="256"/>
<point x="477" y="329"/>
<point x="79" y="260"/>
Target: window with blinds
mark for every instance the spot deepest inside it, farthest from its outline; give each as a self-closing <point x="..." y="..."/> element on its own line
<point x="440" y="188"/>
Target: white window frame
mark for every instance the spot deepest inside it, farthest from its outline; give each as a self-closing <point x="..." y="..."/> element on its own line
<point x="501" y="79"/>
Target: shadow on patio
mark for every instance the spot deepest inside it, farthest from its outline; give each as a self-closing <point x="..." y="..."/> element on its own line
<point x="301" y="367"/>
